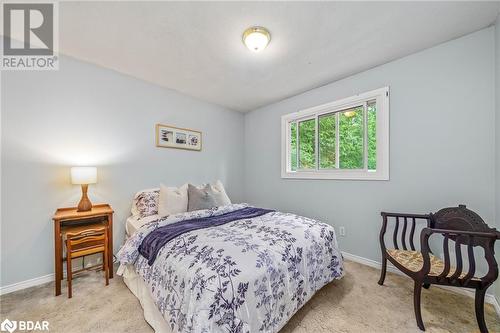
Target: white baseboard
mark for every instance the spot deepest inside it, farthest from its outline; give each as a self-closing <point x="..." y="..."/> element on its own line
<point x="48" y="278"/>
<point x="26" y="284"/>
<point x="490" y="298"/>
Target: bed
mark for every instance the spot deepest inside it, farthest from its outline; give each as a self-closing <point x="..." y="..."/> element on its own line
<point x="233" y="268"/>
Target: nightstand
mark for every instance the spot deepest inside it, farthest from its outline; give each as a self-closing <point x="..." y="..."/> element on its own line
<point x="68" y="219"/>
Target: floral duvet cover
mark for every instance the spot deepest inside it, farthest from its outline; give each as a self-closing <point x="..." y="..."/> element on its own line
<point x="247" y="275"/>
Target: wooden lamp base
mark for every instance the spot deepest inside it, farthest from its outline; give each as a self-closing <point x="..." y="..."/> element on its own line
<point x="84" y="205"/>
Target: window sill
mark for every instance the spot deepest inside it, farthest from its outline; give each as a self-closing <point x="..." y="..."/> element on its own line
<point x="338" y="175"/>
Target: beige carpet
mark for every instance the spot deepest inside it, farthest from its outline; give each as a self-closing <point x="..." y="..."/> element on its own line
<point x="354" y="304"/>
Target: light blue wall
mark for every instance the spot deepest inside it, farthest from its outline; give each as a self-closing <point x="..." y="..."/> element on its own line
<point x="442" y="135"/>
<point x="83" y="114"/>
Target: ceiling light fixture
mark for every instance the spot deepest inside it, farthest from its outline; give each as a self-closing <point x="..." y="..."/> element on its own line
<point x="256" y="38"/>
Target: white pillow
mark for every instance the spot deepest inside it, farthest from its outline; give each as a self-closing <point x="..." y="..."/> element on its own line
<point x="218" y="187"/>
<point x="172" y="200"/>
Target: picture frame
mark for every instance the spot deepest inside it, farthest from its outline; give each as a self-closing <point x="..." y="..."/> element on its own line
<point x="176" y="137"/>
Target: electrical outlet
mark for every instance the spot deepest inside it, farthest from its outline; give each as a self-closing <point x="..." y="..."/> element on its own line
<point x="342" y="231"/>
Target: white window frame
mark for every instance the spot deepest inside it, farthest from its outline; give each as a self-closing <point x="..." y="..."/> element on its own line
<point x="381" y="96"/>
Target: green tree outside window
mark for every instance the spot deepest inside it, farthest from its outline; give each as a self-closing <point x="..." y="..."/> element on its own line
<point x="351" y="140"/>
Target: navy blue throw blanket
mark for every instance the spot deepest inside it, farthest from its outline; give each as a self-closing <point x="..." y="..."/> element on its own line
<point x="153" y="242"/>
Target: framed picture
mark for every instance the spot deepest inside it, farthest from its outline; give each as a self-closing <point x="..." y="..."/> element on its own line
<point x="175" y="137"/>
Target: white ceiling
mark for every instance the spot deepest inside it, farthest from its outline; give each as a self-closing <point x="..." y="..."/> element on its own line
<point x="196" y="48"/>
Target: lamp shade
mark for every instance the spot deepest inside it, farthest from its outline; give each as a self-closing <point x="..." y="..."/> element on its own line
<point x="83" y="175"/>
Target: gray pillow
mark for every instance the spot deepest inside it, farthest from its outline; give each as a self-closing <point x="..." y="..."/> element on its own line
<point x="203" y="198"/>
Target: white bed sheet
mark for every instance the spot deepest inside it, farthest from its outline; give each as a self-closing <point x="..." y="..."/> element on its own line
<point x="134" y="222"/>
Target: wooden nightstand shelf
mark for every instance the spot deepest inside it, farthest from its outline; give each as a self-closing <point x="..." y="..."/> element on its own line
<point x="66" y="219"/>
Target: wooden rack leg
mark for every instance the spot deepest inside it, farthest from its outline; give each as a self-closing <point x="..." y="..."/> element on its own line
<point x="69" y="275"/>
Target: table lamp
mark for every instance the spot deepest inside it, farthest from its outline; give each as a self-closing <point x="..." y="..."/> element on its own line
<point x="84" y="176"/>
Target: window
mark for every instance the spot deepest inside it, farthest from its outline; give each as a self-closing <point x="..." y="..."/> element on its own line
<point x="346" y="139"/>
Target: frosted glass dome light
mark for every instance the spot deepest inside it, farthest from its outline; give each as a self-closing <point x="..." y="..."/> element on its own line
<point x="256" y="38"/>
